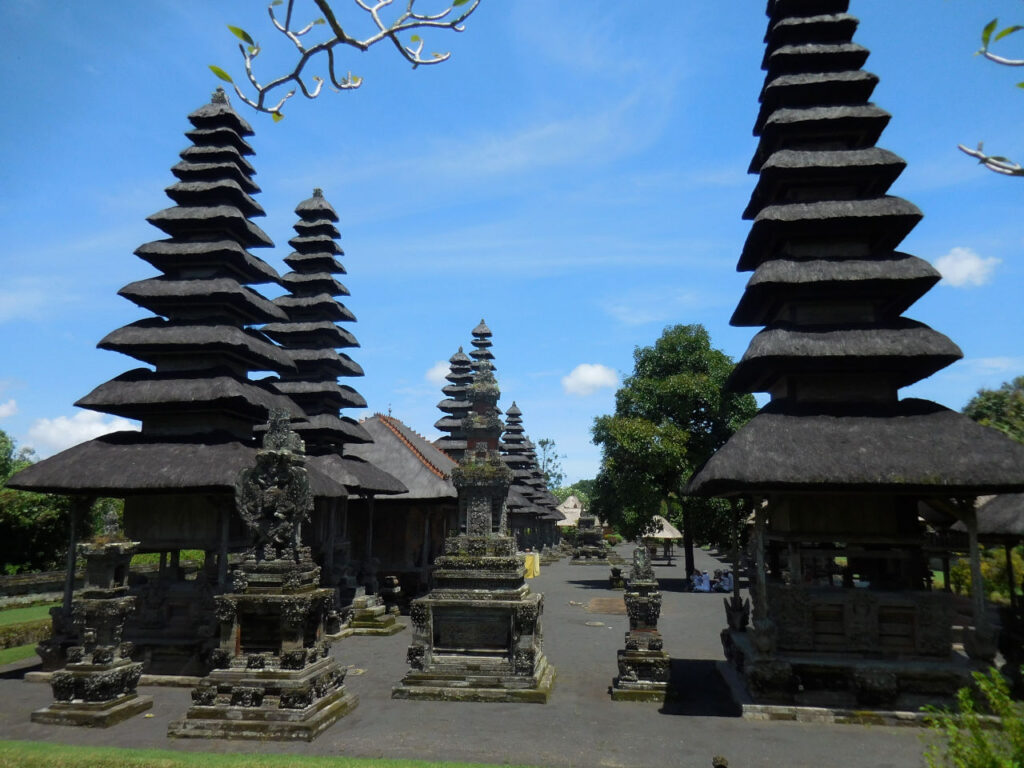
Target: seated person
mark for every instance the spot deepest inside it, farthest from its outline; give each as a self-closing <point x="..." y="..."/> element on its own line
<point x="705" y="583"/>
<point x="725" y="584"/>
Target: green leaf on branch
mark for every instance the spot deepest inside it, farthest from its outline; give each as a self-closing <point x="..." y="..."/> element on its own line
<point x="241" y="34"/>
<point x="277" y="2"/>
<point x="1008" y="31"/>
<point x="277" y="117"/>
<point x="414" y="39"/>
<point x="986" y="33"/>
<point x="1020" y="85"/>
<point x="457" y="3"/>
<point x="221" y="74"/>
<point x="321" y="20"/>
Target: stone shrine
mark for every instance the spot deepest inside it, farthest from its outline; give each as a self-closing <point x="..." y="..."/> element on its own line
<point x="589" y="548"/>
<point x="273" y="676"/>
<point x="643" y="665"/>
<point x="97" y="686"/>
<point x="477" y="634"/>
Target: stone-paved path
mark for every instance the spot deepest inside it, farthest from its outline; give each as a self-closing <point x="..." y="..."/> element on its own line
<point x="580" y="726"/>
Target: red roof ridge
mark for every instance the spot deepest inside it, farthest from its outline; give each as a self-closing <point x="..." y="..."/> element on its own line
<point x="386" y="421"/>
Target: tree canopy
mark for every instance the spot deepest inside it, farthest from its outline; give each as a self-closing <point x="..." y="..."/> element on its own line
<point x="670" y="415"/>
<point x="1001" y="409"/>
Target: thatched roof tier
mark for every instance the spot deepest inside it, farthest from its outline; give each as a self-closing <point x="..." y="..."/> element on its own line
<point x="219" y="114"/>
<point x="322" y="227"/>
<point x="423" y="469"/>
<point x="130" y="463"/>
<point x="914" y="447"/>
<point x="903" y="352"/>
<point x="327" y="392"/>
<point x="320" y="261"/>
<point x="814" y="57"/>
<point x="322" y="306"/>
<point x="481" y="346"/>
<point x="226" y="256"/>
<point x="316" y="208"/>
<point x="324" y="362"/>
<point x="829" y="229"/>
<point x="789" y="175"/>
<point x="220" y="135"/>
<point x="211" y="171"/>
<point x="455" y="406"/>
<point x="155" y="340"/>
<point x="852" y="127"/>
<point x="315" y="244"/>
<point x="815" y="89"/>
<point x="186" y="221"/>
<point x="223" y="190"/>
<point x="329" y="429"/>
<point x="778" y="9"/>
<point x="313" y="283"/>
<point x="358" y="476"/>
<point x="202" y="298"/>
<point x="141" y="391"/>
<point x="890" y="286"/>
<point x="321" y="333"/>
<point x="792" y="27"/>
<point x="217" y="154"/>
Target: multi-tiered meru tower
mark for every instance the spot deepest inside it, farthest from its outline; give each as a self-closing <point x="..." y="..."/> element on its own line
<point x="835" y="465"/>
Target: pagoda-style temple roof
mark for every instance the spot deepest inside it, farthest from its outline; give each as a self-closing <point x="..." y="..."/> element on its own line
<point x="131" y="463"/>
<point x="422" y="468"/>
<point x="914" y="447"/>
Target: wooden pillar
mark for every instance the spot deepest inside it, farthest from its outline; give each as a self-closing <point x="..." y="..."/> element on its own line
<point x="735" y="549"/>
<point x="79" y="506"/>
<point x="331" y="509"/>
<point x="946" y="587"/>
<point x="222" y="553"/>
<point x="970" y="518"/>
<point x="761" y="590"/>
<point x="369" y="526"/>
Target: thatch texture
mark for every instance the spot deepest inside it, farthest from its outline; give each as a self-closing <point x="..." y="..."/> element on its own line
<point x="424" y="470"/>
<point x="915" y="448"/>
<point x="229" y="257"/>
<point x="860" y="125"/>
<point x="217" y="296"/>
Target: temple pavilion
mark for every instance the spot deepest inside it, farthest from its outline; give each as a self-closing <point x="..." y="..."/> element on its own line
<point x="834" y="466"/>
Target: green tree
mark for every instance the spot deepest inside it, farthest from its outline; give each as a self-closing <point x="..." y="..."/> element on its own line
<point x="581" y="489"/>
<point x="33" y="526"/>
<point x="549" y="460"/>
<point x="1001" y="409"/>
<point x="670" y="415"/>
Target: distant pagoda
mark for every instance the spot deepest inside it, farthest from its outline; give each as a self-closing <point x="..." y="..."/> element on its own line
<point x="197" y="406"/>
<point x="477" y="634"/>
<point x="836" y="463"/>
<point x="482" y="347"/>
<point x="524" y="514"/>
<point x="455" y="406"/>
<point x="311" y="336"/>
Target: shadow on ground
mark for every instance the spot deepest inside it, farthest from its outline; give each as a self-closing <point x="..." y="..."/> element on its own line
<point x="698" y="690"/>
<point x="590" y="583"/>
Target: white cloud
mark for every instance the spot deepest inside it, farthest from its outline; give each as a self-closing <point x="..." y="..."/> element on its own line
<point x="52" y="435"/>
<point x="437" y="372"/>
<point x="963" y="266"/>
<point x="656" y="305"/>
<point x="8" y="409"/>
<point x="587" y="378"/>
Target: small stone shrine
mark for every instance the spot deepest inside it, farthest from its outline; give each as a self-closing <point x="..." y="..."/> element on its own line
<point x="477" y="634"/>
<point x="273" y="677"/>
<point x="97" y="686"/>
<point x="643" y="665"/>
<point x="590" y="548"/>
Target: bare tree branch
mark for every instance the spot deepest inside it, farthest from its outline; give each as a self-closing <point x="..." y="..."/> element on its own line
<point x="996" y="163"/>
<point x="993" y="162"/>
<point x="261" y="96"/>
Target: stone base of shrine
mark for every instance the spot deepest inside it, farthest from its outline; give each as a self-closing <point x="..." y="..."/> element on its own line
<point x="371" y="617"/>
<point x="840" y="688"/>
<point x="475" y="685"/>
<point x="640" y="691"/>
<point x="93" y="714"/>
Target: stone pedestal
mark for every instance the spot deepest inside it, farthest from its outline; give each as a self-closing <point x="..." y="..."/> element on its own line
<point x="370" y="616"/>
<point x="97" y="686"/>
<point x="391" y="594"/>
<point x="273" y="677"/>
<point x="643" y="665"/>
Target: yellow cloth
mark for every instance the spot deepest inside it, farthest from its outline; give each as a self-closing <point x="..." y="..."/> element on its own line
<point x="532" y="565"/>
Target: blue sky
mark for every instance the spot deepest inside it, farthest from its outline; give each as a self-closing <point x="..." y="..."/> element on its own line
<point x="575" y="174"/>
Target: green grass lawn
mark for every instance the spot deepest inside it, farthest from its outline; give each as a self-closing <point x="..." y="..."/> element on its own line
<point x="17" y="653"/>
<point x="31" y="754"/>
<point x="20" y="615"/>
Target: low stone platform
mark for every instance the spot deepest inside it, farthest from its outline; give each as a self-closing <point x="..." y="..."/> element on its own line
<point x="495" y="687"/>
<point x="371" y="617"/>
<point x="93" y="714"/>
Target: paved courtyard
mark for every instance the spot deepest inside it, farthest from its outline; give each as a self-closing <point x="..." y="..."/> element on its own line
<point x="580" y="726"/>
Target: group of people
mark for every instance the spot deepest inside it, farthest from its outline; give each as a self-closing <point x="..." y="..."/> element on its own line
<point x="722" y="581"/>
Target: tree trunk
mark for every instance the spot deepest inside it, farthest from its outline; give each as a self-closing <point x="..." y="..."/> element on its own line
<point x="688" y="539"/>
